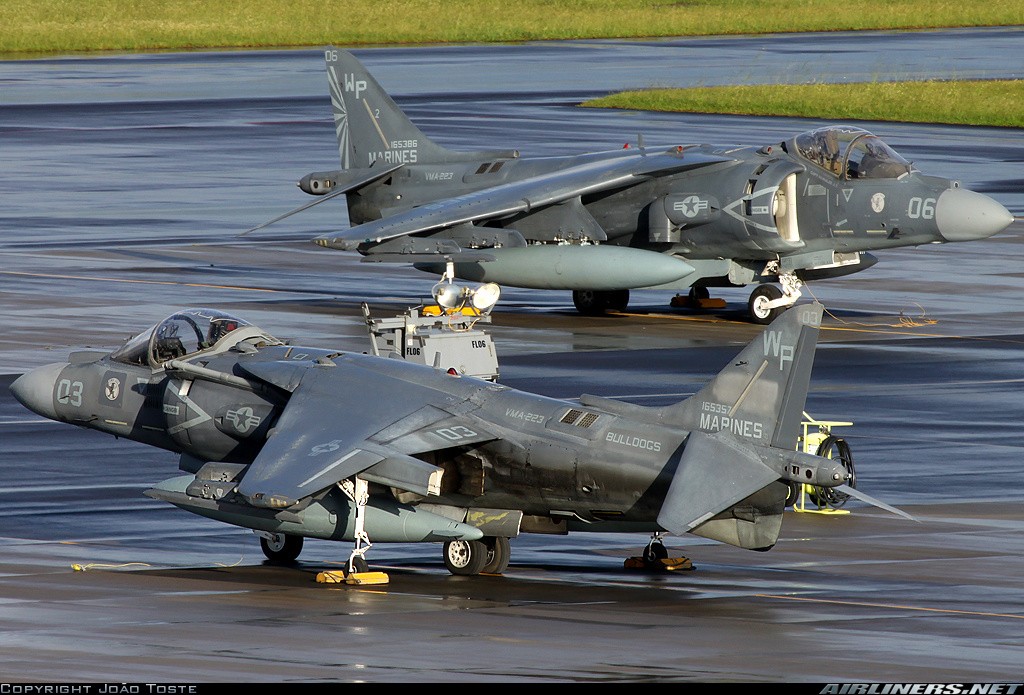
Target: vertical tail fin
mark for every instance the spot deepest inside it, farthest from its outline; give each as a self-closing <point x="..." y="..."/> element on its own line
<point x="370" y="126"/>
<point x="761" y="395"/>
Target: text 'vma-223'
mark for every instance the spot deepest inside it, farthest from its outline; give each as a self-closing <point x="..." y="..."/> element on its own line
<point x="281" y="439"/>
<point x="688" y="217"/>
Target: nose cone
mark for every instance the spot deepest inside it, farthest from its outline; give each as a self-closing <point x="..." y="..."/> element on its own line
<point x="34" y="389"/>
<point x="963" y="215"/>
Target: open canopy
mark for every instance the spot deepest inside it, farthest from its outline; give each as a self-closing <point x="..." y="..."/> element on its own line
<point x="850" y="153"/>
<point x="181" y="334"/>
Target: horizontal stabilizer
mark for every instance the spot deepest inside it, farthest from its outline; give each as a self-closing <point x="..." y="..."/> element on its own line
<point x="715" y="472"/>
<point x="346" y="183"/>
<point x="846" y="489"/>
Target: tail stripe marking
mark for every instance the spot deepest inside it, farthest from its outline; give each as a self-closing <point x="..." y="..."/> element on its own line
<point x="746" y="389"/>
<point x="375" y="124"/>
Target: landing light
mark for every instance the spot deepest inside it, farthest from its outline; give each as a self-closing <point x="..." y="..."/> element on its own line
<point x="485" y="297"/>
<point x="454" y="297"/>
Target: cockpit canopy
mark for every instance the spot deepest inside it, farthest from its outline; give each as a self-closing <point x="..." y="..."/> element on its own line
<point x="180" y="335"/>
<point x="848" y="152"/>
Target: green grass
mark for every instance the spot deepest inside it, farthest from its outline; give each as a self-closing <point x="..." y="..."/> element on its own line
<point x="58" y="26"/>
<point x="991" y="103"/>
<point x="32" y="28"/>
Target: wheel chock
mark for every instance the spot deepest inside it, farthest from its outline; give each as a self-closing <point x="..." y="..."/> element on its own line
<point x="666" y="564"/>
<point x="682" y="301"/>
<point x="356" y="578"/>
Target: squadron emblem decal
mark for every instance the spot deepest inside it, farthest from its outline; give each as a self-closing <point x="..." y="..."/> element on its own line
<point x="878" y="202"/>
<point x="113" y="388"/>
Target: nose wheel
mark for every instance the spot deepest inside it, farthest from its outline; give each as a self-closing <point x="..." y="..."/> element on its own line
<point x="768" y="301"/>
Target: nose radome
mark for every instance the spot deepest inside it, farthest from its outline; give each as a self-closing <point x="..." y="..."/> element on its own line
<point x="34" y="389"/>
<point x="963" y="215"/>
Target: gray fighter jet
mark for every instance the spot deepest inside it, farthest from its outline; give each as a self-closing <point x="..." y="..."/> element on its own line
<point x="283" y="439"/>
<point x="686" y="218"/>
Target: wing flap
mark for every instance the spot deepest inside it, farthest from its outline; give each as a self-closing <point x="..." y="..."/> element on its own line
<point x="406" y="473"/>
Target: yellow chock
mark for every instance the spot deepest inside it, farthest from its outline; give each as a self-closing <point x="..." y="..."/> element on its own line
<point x="331" y="577"/>
<point x="672" y="564"/>
<point x="360" y="578"/>
<point x="367" y="578"/>
<point x="666" y="564"/>
<point x="682" y="301"/>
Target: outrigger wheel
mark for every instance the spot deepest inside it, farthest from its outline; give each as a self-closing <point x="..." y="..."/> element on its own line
<point x="655" y="558"/>
<point x="281" y="547"/>
<point x="655" y="551"/>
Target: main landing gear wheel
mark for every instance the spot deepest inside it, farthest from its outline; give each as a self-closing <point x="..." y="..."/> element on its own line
<point x="281" y="547"/>
<point x="760" y="313"/>
<point x="596" y="302"/>
<point x="466" y="558"/>
<point x="499" y="553"/>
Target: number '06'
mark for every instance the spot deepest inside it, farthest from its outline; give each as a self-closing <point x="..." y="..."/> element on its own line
<point x="921" y="208"/>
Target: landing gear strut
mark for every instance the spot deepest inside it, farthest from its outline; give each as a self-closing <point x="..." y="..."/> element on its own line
<point x="357" y="490"/>
<point x="356" y="570"/>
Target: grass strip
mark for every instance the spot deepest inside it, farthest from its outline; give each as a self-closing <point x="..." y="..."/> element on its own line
<point x="970" y="102"/>
<point x="57" y="26"/>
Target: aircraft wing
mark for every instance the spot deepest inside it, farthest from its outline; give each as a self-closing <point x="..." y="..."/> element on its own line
<point x="519" y="196"/>
<point x="343" y="420"/>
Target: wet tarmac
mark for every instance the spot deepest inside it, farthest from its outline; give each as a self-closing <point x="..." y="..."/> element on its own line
<point x="125" y="182"/>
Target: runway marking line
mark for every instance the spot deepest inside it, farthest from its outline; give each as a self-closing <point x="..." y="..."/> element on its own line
<point x="892" y="605"/>
<point x="138" y="282"/>
<point x="882" y="331"/>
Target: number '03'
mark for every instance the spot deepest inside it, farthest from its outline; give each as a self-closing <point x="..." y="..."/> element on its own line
<point x="69" y="392"/>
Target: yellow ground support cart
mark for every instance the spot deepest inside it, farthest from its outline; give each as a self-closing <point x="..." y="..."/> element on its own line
<point x="817" y="438"/>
